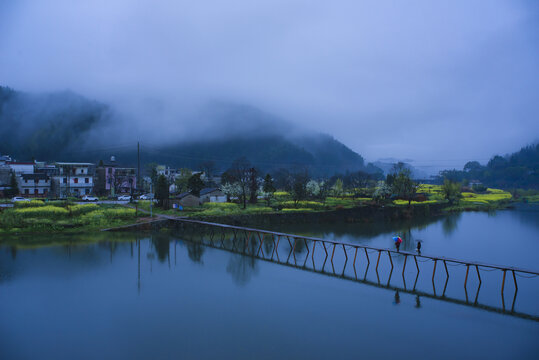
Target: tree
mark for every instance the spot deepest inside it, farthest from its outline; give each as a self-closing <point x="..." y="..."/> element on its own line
<point x="239" y="173"/>
<point x="208" y="167"/>
<point x="403" y="186"/>
<point x="161" y="190"/>
<point x="325" y="189"/>
<point x="359" y="181"/>
<point x="195" y="184"/>
<point x="451" y="191"/>
<point x="268" y="188"/>
<point x="338" y="188"/>
<point x="313" y="188"/>
<point x="231" y="190"/>
<point x="299" y="186"/>
<point x="14" y="191"/>
<point x="182" y="180"/>
<point x="472" y="166"/>
<point x="382" y="192"/>
<point x="253" y="185"/>
<point x="152" y="170"/>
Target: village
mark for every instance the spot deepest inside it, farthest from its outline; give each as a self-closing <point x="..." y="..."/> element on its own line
<point x="84" y="181"/>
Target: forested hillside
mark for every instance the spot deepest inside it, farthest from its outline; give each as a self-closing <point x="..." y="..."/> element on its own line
<point x="45" y="126"/>
<point x="517" y="170"/>
<point x="62" y="126"/>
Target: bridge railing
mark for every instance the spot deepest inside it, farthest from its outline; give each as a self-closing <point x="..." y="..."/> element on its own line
<point x="330" y="246"/>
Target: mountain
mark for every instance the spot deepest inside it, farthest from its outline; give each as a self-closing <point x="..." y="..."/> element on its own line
<point x="66" y="126"/>
<point x="45" y="126"/>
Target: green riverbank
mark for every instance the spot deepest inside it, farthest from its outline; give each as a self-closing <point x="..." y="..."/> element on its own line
<point x="59" y="216"/>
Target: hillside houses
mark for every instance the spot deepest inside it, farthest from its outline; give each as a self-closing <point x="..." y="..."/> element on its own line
<point x="57" y="180"/>
<point x="64" y="179"/>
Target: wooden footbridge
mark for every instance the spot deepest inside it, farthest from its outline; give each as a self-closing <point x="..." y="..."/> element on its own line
<point x="264" y="245"/>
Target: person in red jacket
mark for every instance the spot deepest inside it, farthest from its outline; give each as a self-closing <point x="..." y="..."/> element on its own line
<point x="398" y="242"/>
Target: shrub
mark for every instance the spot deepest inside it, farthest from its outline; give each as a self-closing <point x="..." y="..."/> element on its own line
<point x="122" y="213"/>
<point x="32" y="203"/>
<point x="303" y="204"/>
<point x="210" y="205"/>
<point x="288" y="210"/>
<point x="43" y="211"/>
<point x="82" y="209"/>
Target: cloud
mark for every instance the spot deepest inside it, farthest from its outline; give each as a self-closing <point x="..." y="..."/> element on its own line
<point x="433" y="81"/>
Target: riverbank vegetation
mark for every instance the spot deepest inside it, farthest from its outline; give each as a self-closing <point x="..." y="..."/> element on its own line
<point x="60" y="216"/>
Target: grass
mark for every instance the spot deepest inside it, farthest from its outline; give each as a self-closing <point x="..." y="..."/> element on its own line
<point x="405" y="202"/>
<point x="492" y="196"/>
<point x="37" y="216"/>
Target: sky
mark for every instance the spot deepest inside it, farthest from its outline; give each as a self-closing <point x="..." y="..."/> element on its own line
<point x="438" y="82"/>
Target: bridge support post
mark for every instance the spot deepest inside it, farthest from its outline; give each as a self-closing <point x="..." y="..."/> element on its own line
<point x="416" y="264"/>
<point x="434" y="270"/>
<point x="446" y="271"/>
<point x="355" y="256"/>
<point x="367" y="255"/>
<point x="466" y="278"/>
<point x="378" y="261"/>
<point x="404" y="266"/>
<point x="515" y="280"/>
<point x="503" y="280"/>
<point x="390" y="260"/>
<point x="478" y="275"/>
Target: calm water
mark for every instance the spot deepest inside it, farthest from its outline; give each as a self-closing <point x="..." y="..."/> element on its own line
<point x="159" y="296"/>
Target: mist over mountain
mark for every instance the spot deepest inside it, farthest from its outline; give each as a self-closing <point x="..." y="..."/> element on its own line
<point x="66" y="126"/>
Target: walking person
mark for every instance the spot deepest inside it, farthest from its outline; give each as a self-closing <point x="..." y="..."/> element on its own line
<point x="418" y="249"/>
<point x="398" y="242"/>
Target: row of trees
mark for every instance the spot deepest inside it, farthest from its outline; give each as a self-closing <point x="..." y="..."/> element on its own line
<point x="518" y="170"/>
<point x="244" y="182"/>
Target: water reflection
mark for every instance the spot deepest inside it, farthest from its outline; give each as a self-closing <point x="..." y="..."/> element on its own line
<point x="242" y="269"/>
<point x="450" y="223"/>
<point x="161" y="244"/>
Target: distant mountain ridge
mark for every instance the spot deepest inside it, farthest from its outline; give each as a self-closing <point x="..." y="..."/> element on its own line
<point x="61" y="126"/>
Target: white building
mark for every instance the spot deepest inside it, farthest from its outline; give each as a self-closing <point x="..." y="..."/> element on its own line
<point x="21" y="167"/>
<point x="74" y="179"/>
<point x="34" y="185"/>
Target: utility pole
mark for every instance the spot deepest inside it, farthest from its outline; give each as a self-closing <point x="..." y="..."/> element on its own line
<point x="151" y="200"/>
<point x="137" y="186"/>
<point x="138" y="165"/>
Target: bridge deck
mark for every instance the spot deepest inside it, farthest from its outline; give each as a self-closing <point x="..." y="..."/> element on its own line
<point x="358" y="246"/>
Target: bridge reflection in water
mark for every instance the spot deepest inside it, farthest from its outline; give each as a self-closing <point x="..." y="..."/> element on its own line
<point x="352" y="262"/>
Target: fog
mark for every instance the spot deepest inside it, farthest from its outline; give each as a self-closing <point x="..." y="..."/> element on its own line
<point x="439" y="82"/>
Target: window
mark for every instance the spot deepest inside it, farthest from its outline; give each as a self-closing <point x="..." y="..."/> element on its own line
<point x="36" y="192"/>
<point x="26" y="181"/>
<point x="65" y="180"/>
<point x="26" y="191"/>
<point x="76" y="180"/>
<point x="87" y="191"/>
<point x="36" y="181"/>
<point x="86" y="180"/>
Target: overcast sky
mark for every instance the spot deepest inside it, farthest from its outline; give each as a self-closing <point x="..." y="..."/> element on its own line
<point x="439" y="82"/>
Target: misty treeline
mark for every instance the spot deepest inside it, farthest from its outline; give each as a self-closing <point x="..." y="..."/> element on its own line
<point x="247" y="184"/>
<point x="514" y="171"/>
<point x="67" y="127"/>
<point x="46" y="127"/>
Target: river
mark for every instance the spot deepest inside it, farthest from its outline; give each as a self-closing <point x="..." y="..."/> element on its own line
<point x="163" y="296"/>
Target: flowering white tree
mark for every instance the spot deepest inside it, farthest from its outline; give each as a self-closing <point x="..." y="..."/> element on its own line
<point x="313" y="188"/>
<point x="233" y="190"/>
<point x="382" y="192"/>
